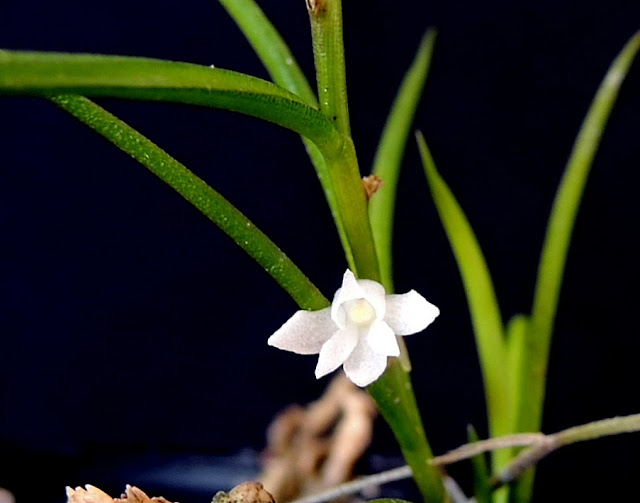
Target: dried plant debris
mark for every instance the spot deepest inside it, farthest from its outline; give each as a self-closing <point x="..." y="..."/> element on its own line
<point x="316" y="447"/>
<point x="91" y="494"/>
<point x="6" y="496"/>
<point x="248" y="492"/>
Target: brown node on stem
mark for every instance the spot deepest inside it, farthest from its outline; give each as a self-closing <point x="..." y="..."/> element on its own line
<point x="372" y="184"/>
<point x="316" y="7"/>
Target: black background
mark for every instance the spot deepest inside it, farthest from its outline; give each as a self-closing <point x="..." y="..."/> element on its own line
<point x="131" y="324"/>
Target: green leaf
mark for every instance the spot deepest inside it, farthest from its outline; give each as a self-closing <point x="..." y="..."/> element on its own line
<point x="394" y="396"/>
<point x="285" y="71"/>
<point x="270" y="48"/>
<point x="516" y="337"/>
<point x="481" y="486"/>
<point x="46" y="74"/>
<point x="388" y="158"/>
<point x="481" y="297"/>
<point x="556" y="245"/>
<point x="197" y="192"/>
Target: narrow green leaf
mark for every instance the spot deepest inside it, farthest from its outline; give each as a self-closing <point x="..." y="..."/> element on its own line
<point x="483" y="305"/>
<point x="284" y="70"/>
<point x="42" y="74"/>
<point x="45" y="74"/>
<point x="328" y="51"/>
<point x="516" y="336"/>
<point x="481" y="486"/>
<point x="556" y="245"/>
<point x="270" y="48"/>
<point x="569" y="195"/>
<point x="197" y="192"/>
<point x="389" y="156"/>
<point x="560" y="227"/>
<point x="394" y="396"/>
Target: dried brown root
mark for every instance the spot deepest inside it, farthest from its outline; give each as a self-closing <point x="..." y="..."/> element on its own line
<point x="314" y="448"/>
<point x="91" y="494"/>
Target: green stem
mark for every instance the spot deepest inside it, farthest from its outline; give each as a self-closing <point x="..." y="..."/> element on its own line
<point x="351" y="202"/>
<point x="394" y="395"/>
<point x="328" y="51"/>
<point x="284" y="70"/>
<point x="589" y="431"/>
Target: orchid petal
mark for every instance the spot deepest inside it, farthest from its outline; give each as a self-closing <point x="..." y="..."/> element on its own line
<point x="358" y="331"/>
<point x="374" y="295"/>
<point x="350" y="290"/>
<point x="305" y="332"/>
<point x="364" y="365"/>
<point x="336" y="350"/>
<point x="382" y="339"/>
<point x="409" y="313"/>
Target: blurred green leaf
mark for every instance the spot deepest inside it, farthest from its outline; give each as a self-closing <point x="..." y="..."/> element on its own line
<point x="481" y="297"/>
<point x="556" y="245"/>
<point x="388" y="158"/>
<point x="516" y="334"/>
<point x="481" y="486"/>
<point x="197" y="192"/>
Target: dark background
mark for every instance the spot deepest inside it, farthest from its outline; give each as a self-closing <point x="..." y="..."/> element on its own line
<point x="133" y="330"/>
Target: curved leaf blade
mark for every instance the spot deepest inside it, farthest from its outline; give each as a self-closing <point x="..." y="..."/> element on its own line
<point x="481" y="297"/>
<point x="47" y="74"/>
<point x="571" y="188"/>
<point x="215" y="207"/>
<point x="556" y="246"/>
<point x="42" y="74"/>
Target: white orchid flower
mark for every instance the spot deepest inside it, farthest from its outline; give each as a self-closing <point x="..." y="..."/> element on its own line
<point x="358" y="331"/>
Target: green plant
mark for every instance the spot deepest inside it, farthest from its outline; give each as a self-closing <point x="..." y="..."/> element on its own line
<point x="513" y="357"/>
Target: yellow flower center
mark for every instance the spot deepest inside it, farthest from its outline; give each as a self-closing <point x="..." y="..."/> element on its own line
<point x="361" y="312"/>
